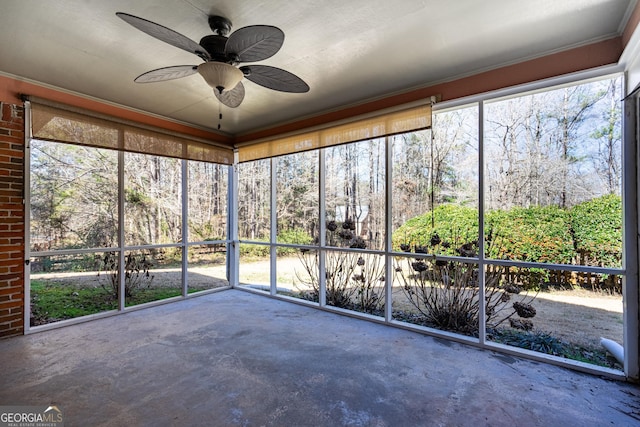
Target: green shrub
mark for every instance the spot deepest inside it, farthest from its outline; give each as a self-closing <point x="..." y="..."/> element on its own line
<point x="587" y="234"/>
<point x="294" y="236"/>
<point x="254" y="251"/>
<point x="597" y="227"/>
<point x="454" y="225"/>
<point x="535" y="234"/>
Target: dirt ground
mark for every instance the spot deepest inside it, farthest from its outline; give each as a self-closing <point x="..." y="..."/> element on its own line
<point x="577" y="316"/>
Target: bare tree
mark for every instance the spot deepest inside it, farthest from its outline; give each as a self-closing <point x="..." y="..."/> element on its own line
<point x="537" y="147"/>
<point x="297" y="194"/>
<point x="435" y="167"/>
<point x="73" y="196"/>
<point x="608" y="162"/>
<point x="574" y="108"/>
<point x="254" y="190"/>
<point x="355" y="188"/>
<point x="207" y="201"/>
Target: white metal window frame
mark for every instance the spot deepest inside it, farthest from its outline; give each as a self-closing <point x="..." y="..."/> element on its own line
<point x="122" y="247"/>
<point x="630" y="251"/>
<point x="630" y="254"/>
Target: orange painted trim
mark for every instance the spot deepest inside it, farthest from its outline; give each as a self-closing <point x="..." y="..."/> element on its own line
<point x="631" y="26"/>
<point x="578" y="59"/>
<point x="11" y="89"/>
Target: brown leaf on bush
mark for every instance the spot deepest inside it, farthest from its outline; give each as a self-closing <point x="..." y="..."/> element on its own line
<point x="524" y="310"/>
<point x="522" y="324"/>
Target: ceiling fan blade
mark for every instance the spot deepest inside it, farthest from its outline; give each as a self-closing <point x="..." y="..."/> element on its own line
<point x="231" y="98"/>
<point x="275" y="78"/>
<point x="165" y="34"/>
<point x="254" y="43"/>
<point x="166" y="73"/>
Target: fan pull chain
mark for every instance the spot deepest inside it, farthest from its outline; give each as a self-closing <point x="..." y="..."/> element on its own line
<point x="219" y="115"/>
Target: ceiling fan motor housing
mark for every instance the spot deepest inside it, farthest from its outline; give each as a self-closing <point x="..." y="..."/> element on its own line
<point x="214" y="44"/>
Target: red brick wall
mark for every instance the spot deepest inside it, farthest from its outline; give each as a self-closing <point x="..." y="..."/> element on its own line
<point x="11" y="220"/>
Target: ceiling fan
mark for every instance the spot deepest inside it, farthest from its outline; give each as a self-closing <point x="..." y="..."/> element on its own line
<point x="221" y="54"/>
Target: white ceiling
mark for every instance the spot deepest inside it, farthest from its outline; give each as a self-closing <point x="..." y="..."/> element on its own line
<point x="348" y="51"/>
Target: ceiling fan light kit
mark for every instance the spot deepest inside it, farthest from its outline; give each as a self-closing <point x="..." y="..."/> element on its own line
<point x="220" y="76"/>
<point x="221" y="55"/>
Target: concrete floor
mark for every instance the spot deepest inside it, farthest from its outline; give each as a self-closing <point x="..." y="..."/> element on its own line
<point x="238" y="359"/>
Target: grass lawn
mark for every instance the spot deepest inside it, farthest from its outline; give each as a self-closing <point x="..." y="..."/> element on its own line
<point x="55" y="302"/>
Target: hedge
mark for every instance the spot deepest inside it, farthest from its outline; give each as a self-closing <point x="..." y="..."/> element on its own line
<point x="589" y="233"/>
